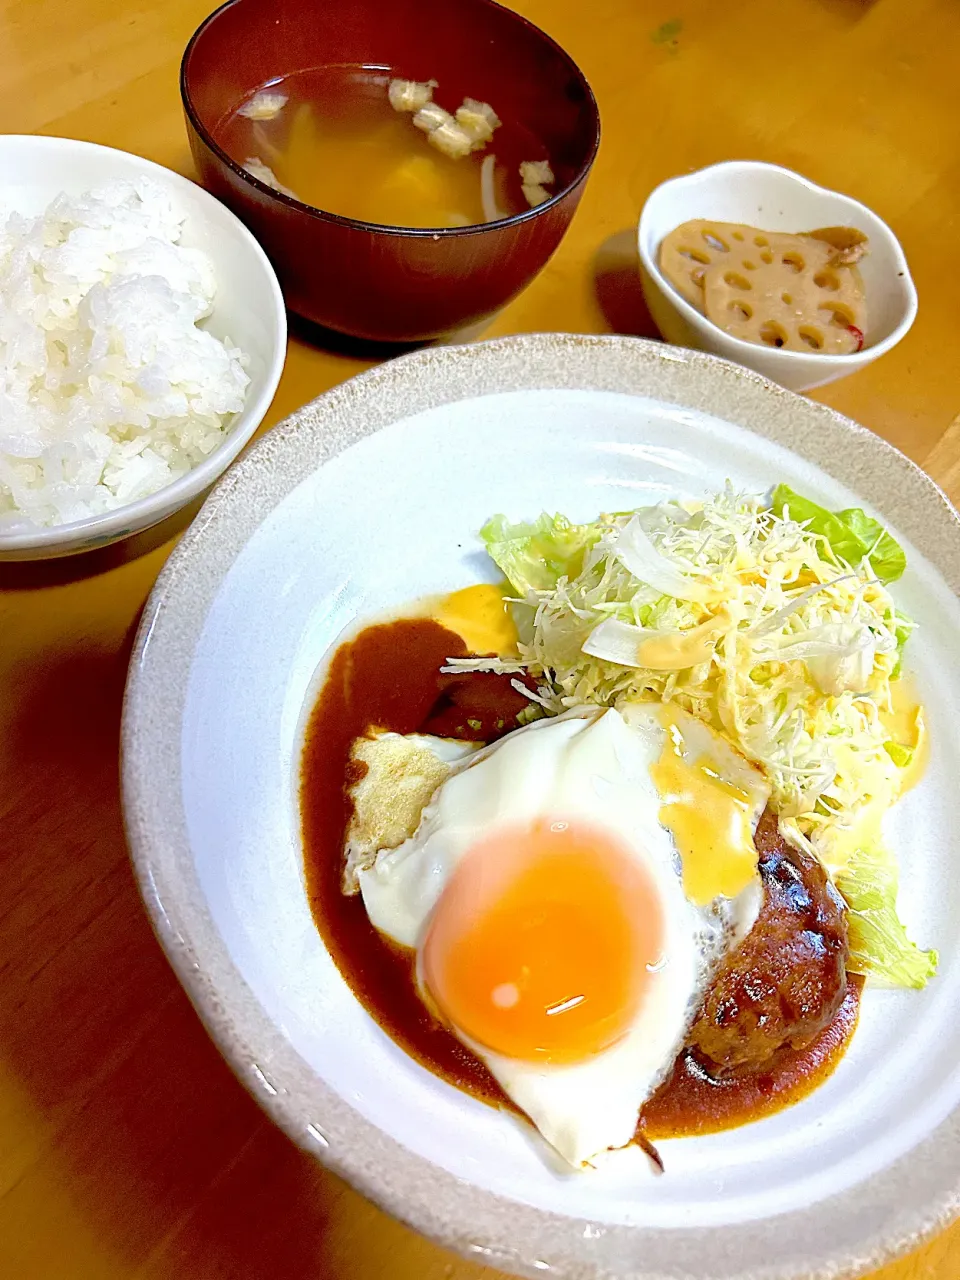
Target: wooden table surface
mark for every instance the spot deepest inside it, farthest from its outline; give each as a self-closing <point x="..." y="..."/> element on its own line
<point x="126" y="1147"/>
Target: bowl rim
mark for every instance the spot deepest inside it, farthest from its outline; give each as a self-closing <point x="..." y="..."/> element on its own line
<point x="870" y="1223"/>
<point x="186" y="487"/>
<point x="741" y="345"/>
<point x="384" y="228"/>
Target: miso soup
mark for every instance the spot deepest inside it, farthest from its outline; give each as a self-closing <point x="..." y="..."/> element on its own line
<point x="336" y="143"/>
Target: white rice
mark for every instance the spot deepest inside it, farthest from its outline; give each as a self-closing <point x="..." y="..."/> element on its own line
<point x="109" y="390"/>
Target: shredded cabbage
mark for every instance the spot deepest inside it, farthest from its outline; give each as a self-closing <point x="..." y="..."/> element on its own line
<point x="772" y="623"/>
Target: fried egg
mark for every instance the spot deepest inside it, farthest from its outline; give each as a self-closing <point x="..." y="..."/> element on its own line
<point x="567" y="907"/>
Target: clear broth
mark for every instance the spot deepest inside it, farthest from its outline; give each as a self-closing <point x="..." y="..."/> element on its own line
<point x="340" y="146"/>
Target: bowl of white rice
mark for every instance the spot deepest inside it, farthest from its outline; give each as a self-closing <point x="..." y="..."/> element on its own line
<point x="142" y="337"/>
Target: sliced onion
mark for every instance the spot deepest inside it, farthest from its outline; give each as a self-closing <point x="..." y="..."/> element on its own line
<point x="616" y="641"/>
<point x="637" y="553"/>
<point x="488" y="195"/>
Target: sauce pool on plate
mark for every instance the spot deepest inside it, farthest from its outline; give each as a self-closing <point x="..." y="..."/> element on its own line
<point x="388" y="676"/>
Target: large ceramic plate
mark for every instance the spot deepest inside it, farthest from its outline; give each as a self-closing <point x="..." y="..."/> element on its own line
<point x="368" y="499"/>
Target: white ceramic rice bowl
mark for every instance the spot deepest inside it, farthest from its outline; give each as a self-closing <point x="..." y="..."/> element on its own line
<point x="248" y="309"/>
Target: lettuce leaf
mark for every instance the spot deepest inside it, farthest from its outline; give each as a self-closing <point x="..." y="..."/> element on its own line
<point x="534" y="557"/>
<point x="853" y="535"/>
<point x="879" y="946"/>
<point x="900" y="755"/>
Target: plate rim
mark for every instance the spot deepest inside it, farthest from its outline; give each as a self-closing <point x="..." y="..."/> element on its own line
<point x="483" y="1225"/>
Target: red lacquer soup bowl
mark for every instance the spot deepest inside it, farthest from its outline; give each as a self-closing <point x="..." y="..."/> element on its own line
<point x="371" y="281"/>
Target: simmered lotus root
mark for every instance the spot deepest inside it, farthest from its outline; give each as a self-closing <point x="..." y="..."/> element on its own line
<point x="850" y="243"/>
<point x="802" y="292"/>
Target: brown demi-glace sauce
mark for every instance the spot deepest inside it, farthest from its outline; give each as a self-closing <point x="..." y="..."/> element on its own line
<point x="691" y="1102"/>
<point x="388" y="677"/>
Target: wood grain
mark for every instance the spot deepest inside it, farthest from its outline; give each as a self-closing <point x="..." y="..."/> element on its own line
<point x="126" y="1147"/>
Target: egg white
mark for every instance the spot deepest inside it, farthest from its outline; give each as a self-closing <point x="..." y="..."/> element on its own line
<point x="596" y="768"/>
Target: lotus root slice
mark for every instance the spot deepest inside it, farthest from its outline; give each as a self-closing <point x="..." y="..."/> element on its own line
<point x="802" y="292"/>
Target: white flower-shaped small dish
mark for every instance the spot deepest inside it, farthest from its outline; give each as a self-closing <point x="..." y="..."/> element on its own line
<point x="774" y="199"/>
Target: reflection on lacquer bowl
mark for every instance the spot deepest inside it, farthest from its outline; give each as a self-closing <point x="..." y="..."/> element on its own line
<point x="360" y="277"/>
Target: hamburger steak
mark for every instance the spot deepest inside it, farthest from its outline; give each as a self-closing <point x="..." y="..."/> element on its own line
<point x="786" y="980"/>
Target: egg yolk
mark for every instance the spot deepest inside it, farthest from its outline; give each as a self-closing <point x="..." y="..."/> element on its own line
<point x="544" y="941"/>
